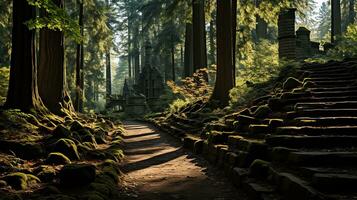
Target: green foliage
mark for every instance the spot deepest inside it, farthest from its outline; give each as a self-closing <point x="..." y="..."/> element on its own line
<point x="56" y="19"/>
<point x="4" y="83"/>
<point x="193" y="88"/>
<point x="260" y="64"/>
<point x="347" y="45"/>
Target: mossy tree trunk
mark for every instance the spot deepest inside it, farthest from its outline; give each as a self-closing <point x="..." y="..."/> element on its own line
<point x="199" y="35"/>
<point x="351" y="12"/>
<point x="23" y="90"/>
<point x="224" y="79"/>
<point x="261" y="28"/>
<point x="80" y="64"/>
<point x="212" y="42"/>
<point x="51" y="72"/>
<point x="188" y="57"/>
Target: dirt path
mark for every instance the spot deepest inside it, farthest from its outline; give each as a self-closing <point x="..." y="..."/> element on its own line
<point x="157" y="168"/>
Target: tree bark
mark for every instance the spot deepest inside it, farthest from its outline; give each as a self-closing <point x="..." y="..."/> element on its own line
<point x="336" y="19"/>
<point x="136" y="53"/>
<point x="351" y="12"/>
<point x="80" y="64"/>
<point x="212" y="44"/>
<point x="173" y="62"/>
<point x="199" y="35"/>
<point x="129" y="46"/>
<point x="51" y="72"/>
<point x="224" y="79"/>
<point x="108" y="74"/>
<point x="188" y="60"/>
<point x="23" y="90"/>
<point x="234" y="33"/>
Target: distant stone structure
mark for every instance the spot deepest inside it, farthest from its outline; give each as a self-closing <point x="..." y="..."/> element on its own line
<point x="141" y="97"/>
<point x="296" y="45"/>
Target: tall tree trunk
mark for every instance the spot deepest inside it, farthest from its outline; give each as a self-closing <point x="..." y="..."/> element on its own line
<point x="212" y="44"/>
<point x="80" y="64"/>
<point x="224" y="80"/>
<point x="351" y="12"/>
<point x="188" y="60"/>
<point x="108" y="74"/>
<point x="23" y="90"/>
<point x="129" y="46"/>
<point x="136" y="53"/>
<point x="173" y="62"/>
<point x="261" y="25"/>
<point x="234" y="32"/>
<point x="199" y="35"/>
<point x="336" y="19"/>
<point x="51" y="72"/>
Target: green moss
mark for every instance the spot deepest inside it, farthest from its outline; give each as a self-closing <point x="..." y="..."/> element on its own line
<point x="262" y="111"/>
<point x="291" y="83"/>
<point x="46" y="173"/>
<point x="57" y="158"/>
<point x="68" y="148"/>
<point x="20" y="181"/>
<point x="259" y="168"/>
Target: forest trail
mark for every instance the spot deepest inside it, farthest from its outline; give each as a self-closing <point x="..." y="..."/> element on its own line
<point x="157" y="168"/>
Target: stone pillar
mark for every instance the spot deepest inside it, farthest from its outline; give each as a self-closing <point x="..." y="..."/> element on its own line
<point x="148" y="52"/>
<point x="303" y="44"/>
<point x="286" y="34"/>
<point x="335" y="20"/>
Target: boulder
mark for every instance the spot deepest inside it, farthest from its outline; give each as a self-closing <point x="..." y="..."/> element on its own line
<point x="57" y="158"/>
<point x="20" y="181"/>
<point x="68" y="148"/>
<point x="61" y="132"/>
<point x="291" y="83"/>
<point x="262" y="111"/>
<point x="77" y="175"/>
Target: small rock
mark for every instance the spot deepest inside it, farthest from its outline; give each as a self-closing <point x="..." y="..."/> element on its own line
<point x="77" y="175"/>
<point x="20" y="181"/>
<point x="61" y="132"/>
<point x="291" y="83"/>
<point x="68" y="148"/>
<point x="57" y="158"/>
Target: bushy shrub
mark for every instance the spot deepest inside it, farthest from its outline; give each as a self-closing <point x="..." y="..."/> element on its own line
<point x="347" y="45"/>
<point x="4" y="83"/>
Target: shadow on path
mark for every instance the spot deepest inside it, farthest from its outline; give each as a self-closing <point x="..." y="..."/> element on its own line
<point x="157" y="168"/>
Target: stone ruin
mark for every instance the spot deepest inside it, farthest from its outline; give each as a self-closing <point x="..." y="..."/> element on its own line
<point x="296" y="45"/>
<point x="141" y="95"/>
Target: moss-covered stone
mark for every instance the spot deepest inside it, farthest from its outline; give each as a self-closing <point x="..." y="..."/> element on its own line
<point x="46" y="173"/>
<point x="259" y="169"/>
<point x="262" y="112"/>
<point x="61" y="132"/>
<point x="76" y="175"/>
<point x="3" y="184"/>
<point x="291" y="83"/>
<point x="57" y="158"/>
<point x="68" y="148"/>
<point x="20" y="181"/>
<point x="76" y="126"/>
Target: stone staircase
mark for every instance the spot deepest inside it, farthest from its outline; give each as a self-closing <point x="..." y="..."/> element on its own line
<point x="296" y="144"/>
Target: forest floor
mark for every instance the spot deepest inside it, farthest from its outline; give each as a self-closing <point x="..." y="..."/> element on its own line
<point x="158" y="168"/>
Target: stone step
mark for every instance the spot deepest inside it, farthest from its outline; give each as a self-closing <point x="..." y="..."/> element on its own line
<point x="332" y="183"/>
<point x="292" y="187"/>
<point x="322" y="113"/>
<point x="324" y="121"/>
<point x="311" y="171"/>
<point x="320" y="105"/>
<point x="337" y="77"/>
<point x="320" y="158"/>
<point x="329" y="75"/>
<point x="332" y="89"/>
<point x="335" y="83"/>
<point x="317" y="130"/>
<point x="319" y="94"/>
<point x="324" y="141"/>
<point x="313" y="99"/>
<point x="325" y="68"/>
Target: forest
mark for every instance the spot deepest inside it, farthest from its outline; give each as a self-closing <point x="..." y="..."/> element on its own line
<point x="179" y="99"/>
